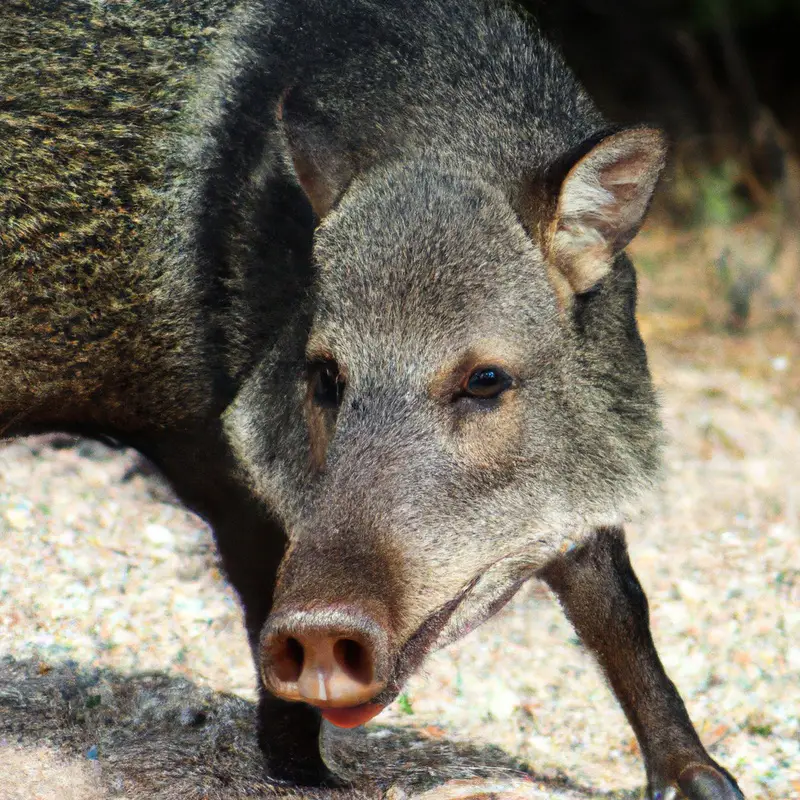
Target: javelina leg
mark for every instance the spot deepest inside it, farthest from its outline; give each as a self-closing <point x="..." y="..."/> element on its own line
<point x="251" y="545"/>
<point x="604" y="601"/>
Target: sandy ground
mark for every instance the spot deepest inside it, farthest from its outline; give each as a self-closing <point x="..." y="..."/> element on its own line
<point x="100" y="568"/>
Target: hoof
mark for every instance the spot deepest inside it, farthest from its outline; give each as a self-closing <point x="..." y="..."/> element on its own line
<point x="704" y="782"/>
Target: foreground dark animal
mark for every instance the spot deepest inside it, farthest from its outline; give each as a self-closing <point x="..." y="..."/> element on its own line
<point x="157" y="737"/>
<point x="376" y="326"/>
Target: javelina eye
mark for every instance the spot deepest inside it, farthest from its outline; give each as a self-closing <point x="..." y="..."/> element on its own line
<point x="487" y="383"/>
<point x="329" y="385"/>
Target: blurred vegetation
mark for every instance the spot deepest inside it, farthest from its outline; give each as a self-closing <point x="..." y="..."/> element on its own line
<point x="698" y="67"/>
<point x="722" y="77"/>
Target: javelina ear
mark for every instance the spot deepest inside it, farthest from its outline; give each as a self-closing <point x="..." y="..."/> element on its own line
<point x="322" y="169"/>
<point x="602" y="202"/>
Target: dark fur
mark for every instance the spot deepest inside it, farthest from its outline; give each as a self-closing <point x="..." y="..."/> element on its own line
<point x="408" y="190"/>
<point x="160" y="737"/>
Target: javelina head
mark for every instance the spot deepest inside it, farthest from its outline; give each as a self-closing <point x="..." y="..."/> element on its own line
<point x="473" y="395"/>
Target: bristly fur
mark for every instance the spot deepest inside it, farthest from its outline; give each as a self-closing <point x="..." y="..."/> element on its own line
<point x="392" y="193"/>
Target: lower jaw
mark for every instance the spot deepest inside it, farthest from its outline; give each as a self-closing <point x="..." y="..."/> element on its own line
<point x="351" y="717"/>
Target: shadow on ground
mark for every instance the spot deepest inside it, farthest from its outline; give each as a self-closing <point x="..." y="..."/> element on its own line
<point x="71" y="733"/>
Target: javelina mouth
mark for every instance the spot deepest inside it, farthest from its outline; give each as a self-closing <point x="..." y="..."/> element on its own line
<point x="428" y="635"/>
<point x="419" y="644"/>
<point x="354" y="716"/>
<point x="411" y="655"/>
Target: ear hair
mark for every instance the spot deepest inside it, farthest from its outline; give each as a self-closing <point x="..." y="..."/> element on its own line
<point x="602" y="202"/>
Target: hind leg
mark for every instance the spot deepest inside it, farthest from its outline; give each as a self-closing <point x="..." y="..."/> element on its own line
<point x="604" y="601"/>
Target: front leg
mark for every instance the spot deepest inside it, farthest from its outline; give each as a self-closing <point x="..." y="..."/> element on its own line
<point x="251" y="547"/>
<point x="251" y="544"/>
<point x="603" y="599"/>
<point x="289" y="738"/>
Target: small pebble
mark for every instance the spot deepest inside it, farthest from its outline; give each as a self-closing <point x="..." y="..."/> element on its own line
<point x="159" y="535"/>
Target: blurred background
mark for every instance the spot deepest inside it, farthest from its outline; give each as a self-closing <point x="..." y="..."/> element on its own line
<point x="723" y="78"/>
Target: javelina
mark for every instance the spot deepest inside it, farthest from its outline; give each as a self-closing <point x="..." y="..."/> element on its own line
<point x="376" y="325"/>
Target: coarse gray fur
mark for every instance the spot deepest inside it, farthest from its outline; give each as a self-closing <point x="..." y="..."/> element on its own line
<point x="392" y="194"/>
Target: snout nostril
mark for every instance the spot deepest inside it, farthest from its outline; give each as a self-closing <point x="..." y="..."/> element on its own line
<point x="354" y="660"/>
<point x="287" y="660"/>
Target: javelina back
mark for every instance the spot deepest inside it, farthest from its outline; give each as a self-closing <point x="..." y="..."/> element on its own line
<point x="377" y="327"/>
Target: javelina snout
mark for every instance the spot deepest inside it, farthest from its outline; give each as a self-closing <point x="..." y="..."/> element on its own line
<point x="331" y="639"/>
<point x="332" y="657"/>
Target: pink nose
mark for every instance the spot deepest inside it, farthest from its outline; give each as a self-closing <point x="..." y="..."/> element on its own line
<point x="330" y="659"/>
